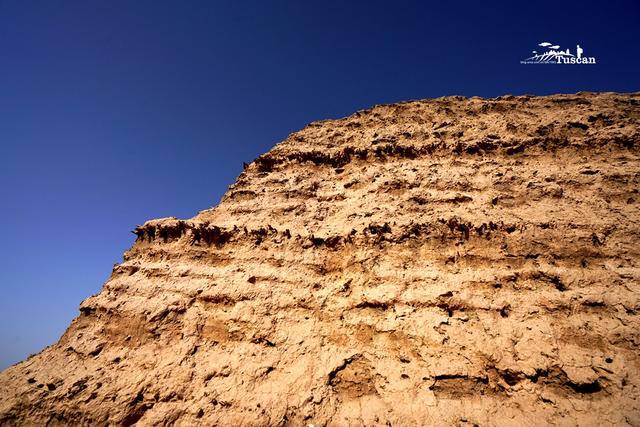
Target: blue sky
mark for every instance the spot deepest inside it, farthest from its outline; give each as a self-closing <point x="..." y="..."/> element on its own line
<point x="115" y="112"/>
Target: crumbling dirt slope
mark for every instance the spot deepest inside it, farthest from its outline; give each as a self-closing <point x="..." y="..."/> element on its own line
<point x="450" y="261"/>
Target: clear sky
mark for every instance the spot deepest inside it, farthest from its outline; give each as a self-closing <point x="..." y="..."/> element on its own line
<point x="116" y="112"/>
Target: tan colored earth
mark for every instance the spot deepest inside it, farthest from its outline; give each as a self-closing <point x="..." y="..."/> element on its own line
<point x="454" y="261"/>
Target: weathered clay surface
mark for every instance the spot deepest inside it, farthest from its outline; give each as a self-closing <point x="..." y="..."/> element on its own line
<point x="450" y="261"/>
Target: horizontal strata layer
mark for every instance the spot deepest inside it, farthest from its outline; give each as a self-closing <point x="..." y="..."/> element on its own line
<point x="453" y="120"/>
<point x="454" y="261"/>
<point x="527" y="241"/>
<point x="543" y="190"/>
<point x="489" y="145"/>
<point x="203" y="233"/>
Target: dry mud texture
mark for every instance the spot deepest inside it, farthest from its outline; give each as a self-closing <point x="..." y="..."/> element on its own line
<point x="451" y="261"/>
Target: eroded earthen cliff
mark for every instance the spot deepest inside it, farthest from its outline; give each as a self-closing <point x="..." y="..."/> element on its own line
<point x="448" y="261"/>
